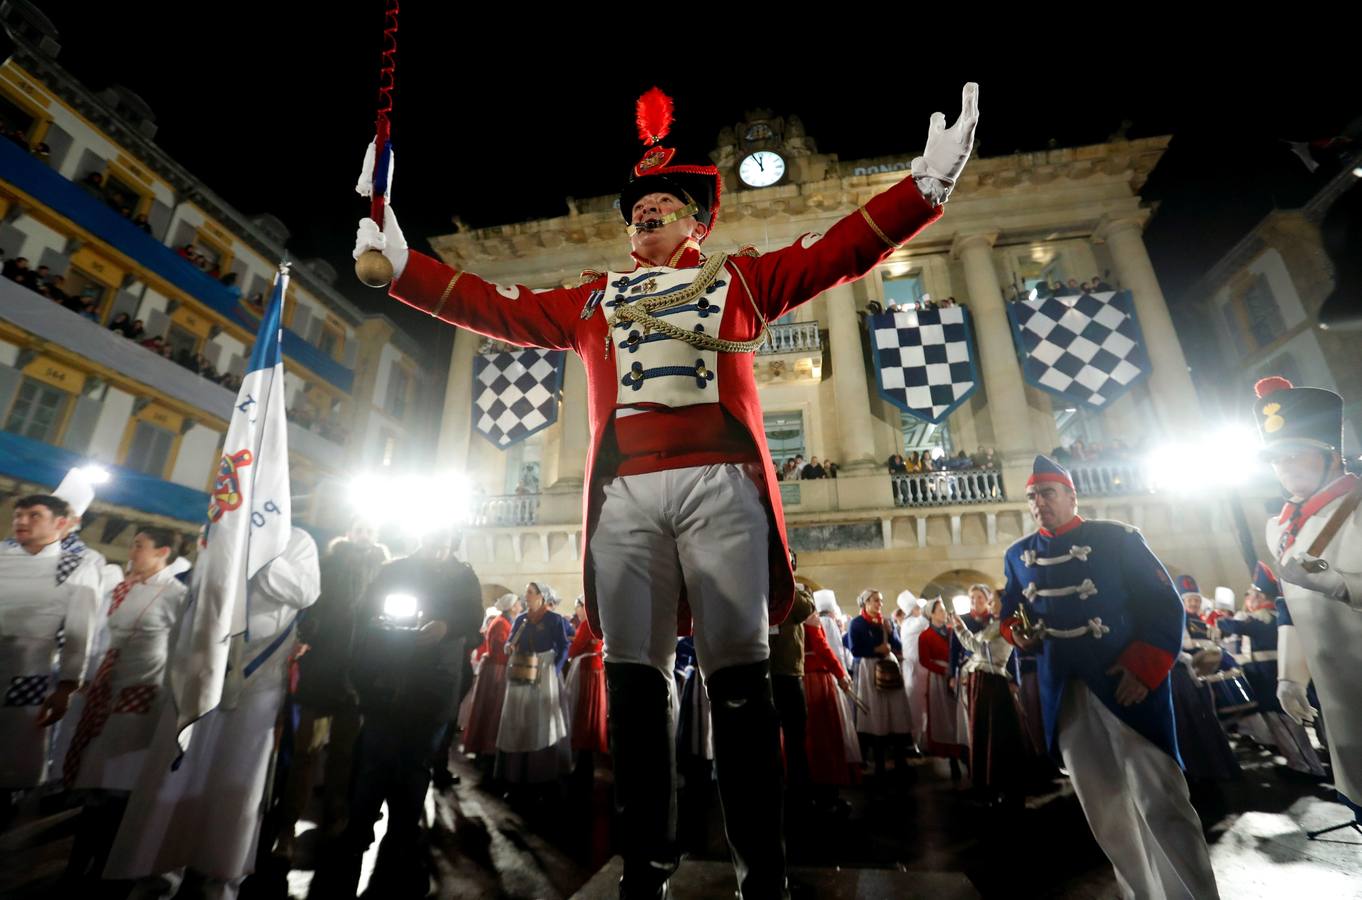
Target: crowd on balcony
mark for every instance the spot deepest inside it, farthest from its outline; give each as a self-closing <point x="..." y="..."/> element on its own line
<point x="86" y="304"/>
<point x="874" y="307"/>
<point x="1070" y="288"/>
<point x="97" y="186"/>
<point x="20" y="137"/>
<point x="1098" y="452"/>
<point x="924" y="461"/>
<point x="796" y="469"/>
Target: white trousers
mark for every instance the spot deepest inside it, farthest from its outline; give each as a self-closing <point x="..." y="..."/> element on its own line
<point x="703" y="528"/>
<point x="1135" y="798"/>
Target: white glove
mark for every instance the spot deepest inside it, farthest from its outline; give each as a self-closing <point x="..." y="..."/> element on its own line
<point x="365" y="186"/>
<point x="1329" y="582"/>
<point x="390" y="241"/>
<point x="948" y="149"/>
<point x="1291" y="695"/>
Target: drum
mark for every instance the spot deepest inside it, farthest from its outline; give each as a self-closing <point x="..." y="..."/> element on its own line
<point x="1233" y="696"/>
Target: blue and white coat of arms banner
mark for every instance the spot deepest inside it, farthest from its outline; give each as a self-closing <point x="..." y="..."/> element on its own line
<point x="515" y="393"/>
<point x="924" y="360"/>
<point x="1087" y="348"/>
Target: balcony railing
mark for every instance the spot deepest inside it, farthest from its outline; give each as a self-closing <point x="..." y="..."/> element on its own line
<point x="510" y="511"/>
<point x="948" y="488"/>
<point x="799" y="337"/>
<point x="1110" y="479"/>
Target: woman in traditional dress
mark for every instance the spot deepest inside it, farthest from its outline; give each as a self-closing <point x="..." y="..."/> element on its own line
<point x="532" y="746"/>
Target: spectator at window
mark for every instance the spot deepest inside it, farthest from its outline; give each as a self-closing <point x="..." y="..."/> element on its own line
<point x="813" y="470"/>
<point x="56" y="288"/>
<point x="874" y="308"/>
<point x="896" y="465"/>
<point x="136" y="331"/>
<point x="90" y="310"/>
<point x="831" y="468"/>
<point x="986" y="459"/>
<point x="93" y="184"/>
<point x="17" y="270"/>
<point x="42" y="275"/>
<point x="187" y="251"/>
<point x="257" y="301"/>
<point x="41" y="150"/>
<point x="74" y="303"/>
<point x="1071" y="287"/>
<point x="229" y="282"/>
<point x="142" y="223"/>
<point x="1100" y="284"/>
<point x="121" y="324"/>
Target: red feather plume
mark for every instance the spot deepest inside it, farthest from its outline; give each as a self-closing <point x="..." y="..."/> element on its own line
<point x="653" y="113"/>
<point x="1271" y="385"/>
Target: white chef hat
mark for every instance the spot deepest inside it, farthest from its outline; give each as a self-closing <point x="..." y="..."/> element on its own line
<point x="907" y="601"/>
<point x="825" y="601"/>
<point x="77" y="489"/>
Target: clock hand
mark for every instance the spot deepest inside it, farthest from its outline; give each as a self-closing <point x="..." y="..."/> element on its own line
<point x="759" y="165"/>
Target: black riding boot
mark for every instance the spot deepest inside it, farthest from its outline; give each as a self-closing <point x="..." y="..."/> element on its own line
<point x="643" y="748"/>
<point x="747" y="763"/>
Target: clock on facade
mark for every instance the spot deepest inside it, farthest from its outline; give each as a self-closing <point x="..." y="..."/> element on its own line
<point x="761" y="169"/>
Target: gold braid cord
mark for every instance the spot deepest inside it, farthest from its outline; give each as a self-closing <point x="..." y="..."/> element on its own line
<point x="640" y="313"/>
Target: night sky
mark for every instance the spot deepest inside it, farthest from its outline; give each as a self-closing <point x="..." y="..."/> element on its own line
<point x="495" y="126"/>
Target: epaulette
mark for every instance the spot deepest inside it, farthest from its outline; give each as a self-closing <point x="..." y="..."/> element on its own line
<point x="746" y="250"/>
<point x="588" y="276"/>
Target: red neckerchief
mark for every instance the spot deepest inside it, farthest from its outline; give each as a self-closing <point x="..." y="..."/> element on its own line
<point x="1295" y="515"/>
<point x="120" y="593"/>
<point x="1063" y="529"/>
<point x="687" y="255"/>
<point x="873" y="620"/>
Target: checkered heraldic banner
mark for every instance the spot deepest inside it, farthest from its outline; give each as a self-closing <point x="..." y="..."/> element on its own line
<point x="1087" y="348"/>
<point x="515" y="393"/>
<point x="924" y="360"/>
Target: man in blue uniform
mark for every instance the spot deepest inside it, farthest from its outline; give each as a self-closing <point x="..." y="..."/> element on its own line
<point x="1102" y="613"/>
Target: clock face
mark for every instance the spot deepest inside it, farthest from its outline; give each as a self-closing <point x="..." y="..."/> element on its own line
<point x="761" y="169"/>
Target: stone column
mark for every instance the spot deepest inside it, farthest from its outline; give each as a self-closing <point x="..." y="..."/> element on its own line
<point x="562" y="500"/>
<point x="576" y="439"/>
<point x="849" y="382"/>
<point x="456" y="423"/>
<point x="1007" y="407"/>
<point x="862" y="482"/>
<point x="1170" y="386"/>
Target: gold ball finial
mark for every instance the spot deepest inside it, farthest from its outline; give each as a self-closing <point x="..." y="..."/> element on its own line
<point x="374" y="269"/>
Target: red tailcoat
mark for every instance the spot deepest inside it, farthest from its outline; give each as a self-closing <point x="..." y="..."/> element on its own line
<point x="767" y="286"/>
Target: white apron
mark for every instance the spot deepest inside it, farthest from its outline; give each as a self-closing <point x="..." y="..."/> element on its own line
<point x="33" y="608"/>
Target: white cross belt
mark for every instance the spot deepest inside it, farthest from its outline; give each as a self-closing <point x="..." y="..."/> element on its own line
<point x="1080" y="553"/>
<point x="1084" y="590"/>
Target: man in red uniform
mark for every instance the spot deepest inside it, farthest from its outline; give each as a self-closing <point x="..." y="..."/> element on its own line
<point x="681" y="496"/>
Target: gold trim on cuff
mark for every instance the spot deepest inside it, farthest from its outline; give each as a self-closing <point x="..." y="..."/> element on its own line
<point x="444" y="297"/>
<point x="878" y="231"/>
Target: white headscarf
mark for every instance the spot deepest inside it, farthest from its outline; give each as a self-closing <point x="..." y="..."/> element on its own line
<point x="825" y="601"/>
<point x="505" y="602"/>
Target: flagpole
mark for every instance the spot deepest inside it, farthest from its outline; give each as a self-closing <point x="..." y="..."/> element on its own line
<point x="372" y="267"/>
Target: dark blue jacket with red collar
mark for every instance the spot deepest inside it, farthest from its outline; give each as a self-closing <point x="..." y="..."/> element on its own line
<point x="1102" y="575"/>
